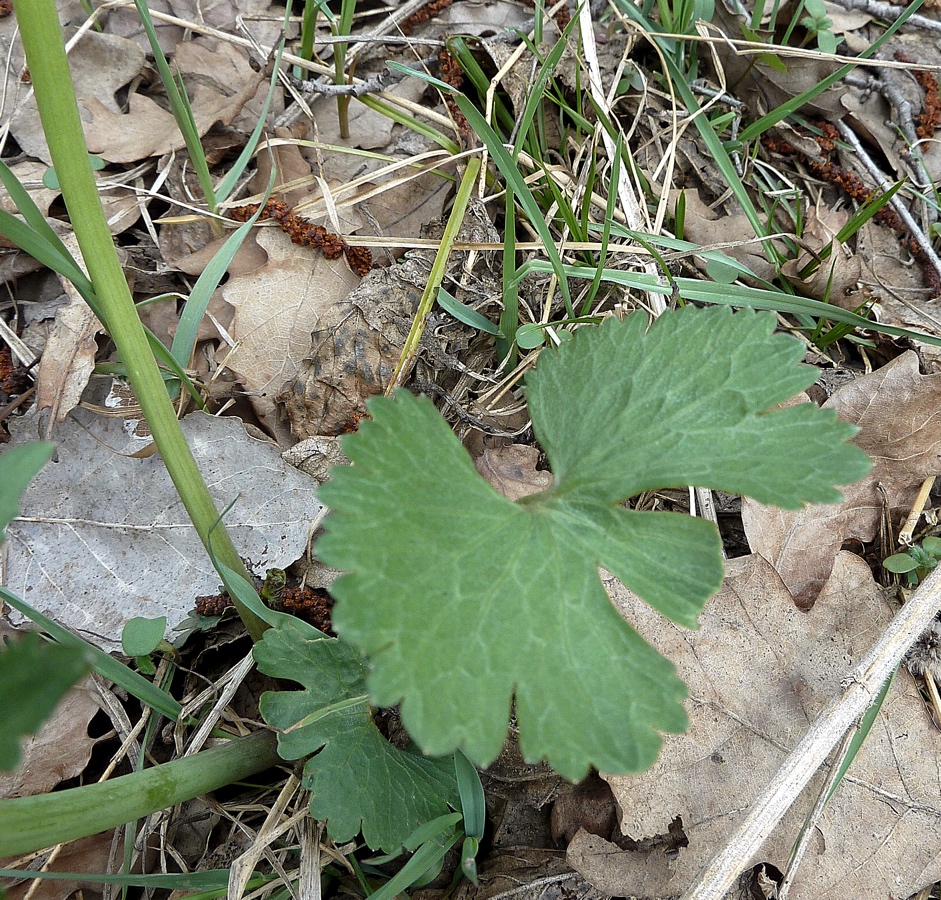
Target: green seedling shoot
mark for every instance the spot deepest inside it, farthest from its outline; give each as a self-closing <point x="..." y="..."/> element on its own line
<point x="917" y="561"/>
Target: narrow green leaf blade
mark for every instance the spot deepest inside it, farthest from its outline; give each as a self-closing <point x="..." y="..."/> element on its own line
<point x="358" y="780"/>
<point x="625" y="409"/>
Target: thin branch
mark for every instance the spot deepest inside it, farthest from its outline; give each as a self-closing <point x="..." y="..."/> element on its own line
<point x="372" y="85"/>
<point x="880" y="10"/>
<point x="862" y="688"/>
<point x="917" y="232"/>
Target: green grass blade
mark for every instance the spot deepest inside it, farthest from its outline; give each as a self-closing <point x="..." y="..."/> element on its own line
<point x="865" y="726"/>
<point x="536" y="97"/>
<point x="509" y="170"/>
<point x="227" y="185"/>
<point x="426" y="856"/>
<point x="737" y="295"/>
<point x="211" y="879"/>
<point x="438" y="268"/>
<point x="464" y="313"/>
<point x="715" y="147"/>
<point x="32" y="823"/>
<point x="755" y="298"/>
<point x="471" y="791"/>
<point x="181" y="109"/>
<point x="510" y="317"/>
<point x="184" y="341"/>
<point x="52" y="254"/>
<point x="610" y="207"/>
<point x="28" y="209"/>
<point x="402" y="118"/>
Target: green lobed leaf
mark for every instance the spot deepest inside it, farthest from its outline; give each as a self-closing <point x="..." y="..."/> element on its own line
<point x="626" y="409"/>
<point x="34" y="676"/>
<point x="462" y="599"/>
<point x="358" y="780"/>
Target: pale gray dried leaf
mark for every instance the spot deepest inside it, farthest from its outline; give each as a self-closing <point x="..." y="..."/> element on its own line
<point x="898" y="412"/>
<point x="759" y="672"/>
<point x="104" y="537"/>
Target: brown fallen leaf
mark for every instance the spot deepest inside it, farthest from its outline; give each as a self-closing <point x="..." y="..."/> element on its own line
<point x="759" y="671"/>
<point x="705" y="226"/>
<point x="90" y="855"/>
<point x="898" y="412"/>
<point x="60" y="750"/>
<point x="101" y="64"/>
<point x="69" y="354"/>
<point x="276" y="308"/>
<point x="834" y="279"/>
<point x="220" y="82"/>
<point x="512" y="470"/>
<point x="762" y="86"/>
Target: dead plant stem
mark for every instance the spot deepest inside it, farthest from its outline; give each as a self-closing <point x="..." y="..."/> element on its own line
<point x="917" y="232"/>
<point x="863" y="686"/>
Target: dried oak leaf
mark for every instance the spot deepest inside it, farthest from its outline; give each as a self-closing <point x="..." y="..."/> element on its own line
<point x="512" y="470"/>
<point x="898" y="412"/>
<point x="835" y="278"/>
<point x="219" y="82"/>
<point x="759" y="671"/>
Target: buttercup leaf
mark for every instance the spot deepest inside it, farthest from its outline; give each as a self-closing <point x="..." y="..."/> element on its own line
<point x="619" y="411"/>
<point x="358" y="780"/>
<point x="462" y="599"/>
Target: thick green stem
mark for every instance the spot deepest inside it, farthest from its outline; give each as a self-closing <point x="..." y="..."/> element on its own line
<point x="58" y="110"/>
<point x="32" y="823"/>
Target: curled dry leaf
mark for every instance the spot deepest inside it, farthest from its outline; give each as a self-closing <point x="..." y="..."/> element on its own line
<point x="90" y="855"/>
<point x="835" y="278"/>
<point x="354" y="350"/>
<point x="221" y="81"/>
<point x="512" y="470"/>
<point x="101" y="65"/>
<point x="60" y="750"/>
<point x="705" y="226"/>
<point x="898" y="412"/>
<point x="759" y="671"/>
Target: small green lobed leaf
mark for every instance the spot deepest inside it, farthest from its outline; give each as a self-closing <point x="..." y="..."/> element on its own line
<point x="463" y="600"/>
<point x="358" y="780"/>
<point x="625" y="409"/>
